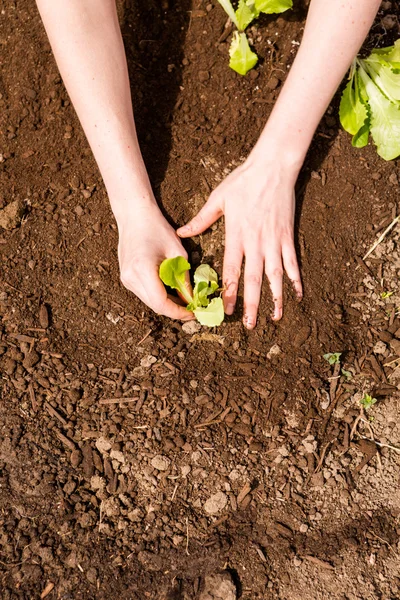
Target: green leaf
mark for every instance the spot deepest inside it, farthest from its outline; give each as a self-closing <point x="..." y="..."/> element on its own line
<point x="353" y="112"/>
<point x="230" y="11"/>
<point x="347" y="374"/>
<point x="389" y="56"/>
<point x="242" y="58"/>
<point x="367" y="401"/>
<point x="206" y="284"/>
<point x="245" y="13"/>
<point x="385" y="120"/>
<point x="173" y="273"/>
<point x="211" y="315"/>
<point x="384" y="77"/>
<point x="333" y="358"/>
<point x="273" y="6"/>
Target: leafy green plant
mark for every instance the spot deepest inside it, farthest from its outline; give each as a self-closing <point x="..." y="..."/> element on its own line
<point x="370" y="103"/>
<point x="367" y="401"/>
<point x="333" y="358"/>
<point x="208" y="311"/>
<point x="242" y="58"/>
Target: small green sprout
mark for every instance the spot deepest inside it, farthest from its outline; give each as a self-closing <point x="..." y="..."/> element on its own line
<point x="385" y="295"/>
<point x="333" y="358"/>
<point x="368" y="401"/>
<point x="347" y="374"/>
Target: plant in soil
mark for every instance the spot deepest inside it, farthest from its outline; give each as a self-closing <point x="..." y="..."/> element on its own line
<point x="208" y="310"/>
<point x="367" y="401"/>
<point x="242" y="58"/>
<point x="370" y="103"/>
<point x="333" y="358"/>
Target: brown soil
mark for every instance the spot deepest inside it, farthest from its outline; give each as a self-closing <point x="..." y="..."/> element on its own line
<point x="114" y="500"/>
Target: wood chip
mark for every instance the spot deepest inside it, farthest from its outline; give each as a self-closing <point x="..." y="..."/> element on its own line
<point x="23" y="338"/>
<point x="32" y="397"/>
<point x="49" y="588"/>
<point x="66" y="441"/>
<point x="118" y="400"/>
<point x="52" y="411"/>
<point x="320" y="563"/>
<point x="243" y="493"/>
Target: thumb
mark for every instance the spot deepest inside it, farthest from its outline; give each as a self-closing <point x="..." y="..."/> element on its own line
<point x="210" y="212"/>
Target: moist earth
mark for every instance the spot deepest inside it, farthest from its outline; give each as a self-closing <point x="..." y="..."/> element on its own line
<point x="143" y="459"/>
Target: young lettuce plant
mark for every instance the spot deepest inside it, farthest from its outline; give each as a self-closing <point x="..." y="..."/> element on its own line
<point x="209" y="312"/>
<point x="370" y="103"/>
<point x="242" y="58"/>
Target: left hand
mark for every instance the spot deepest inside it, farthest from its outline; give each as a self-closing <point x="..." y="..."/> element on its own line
<point x="258" y="202"/>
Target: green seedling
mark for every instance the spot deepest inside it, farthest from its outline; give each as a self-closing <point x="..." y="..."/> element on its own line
<point x="242" y="58"/>
<point x="368" y="401"/>
<point x="333" y="358"/>
<point x="208" y="311"/>
<point x="385" y="295"/>
<point x="347" y="374"/>
<point x="370" y="103"/>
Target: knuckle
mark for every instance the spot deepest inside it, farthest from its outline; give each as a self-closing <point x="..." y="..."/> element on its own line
<point x="254" y="279"/>
<point x="275" y="273"/>
<point x="231" y="275"/>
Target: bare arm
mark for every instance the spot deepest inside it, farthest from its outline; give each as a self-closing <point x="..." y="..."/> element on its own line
<point x="87" y="43"/>
<point x="258" y="197"/>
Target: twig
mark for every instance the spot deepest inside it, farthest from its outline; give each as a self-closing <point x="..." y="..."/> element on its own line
<point x="187" y="536"/>
<point x="382" y="445"/>
<point x="174" y="492"/>
<point x="382" y="236"/>
<point x="118" y="400"/>
<point x="144" y="337"/>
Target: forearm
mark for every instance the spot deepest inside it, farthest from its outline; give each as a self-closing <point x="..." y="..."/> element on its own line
<point x="334" y="32"/>
<point x="87" y="43"/>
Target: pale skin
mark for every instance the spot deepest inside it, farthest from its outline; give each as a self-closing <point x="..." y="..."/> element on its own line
<point x="257" y="199"/>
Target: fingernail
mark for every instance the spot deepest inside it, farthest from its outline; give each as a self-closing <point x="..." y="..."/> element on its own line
<point x="299" y="297"/>
<point x="229" y="309"/>
<point x="248" y="322"/>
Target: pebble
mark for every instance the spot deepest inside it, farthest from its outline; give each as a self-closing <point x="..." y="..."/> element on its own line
<point x="161" y="463"/>
<point x="11" y="215"/>
<point x="216" y="503"/>
<point x="218" y="586"/>
<point x="274" y="351"/>
<point x="191" y="327"/>
<point x="204" y="76"/>
<point x="147" y="361"/>
<point x="273" y="83"/>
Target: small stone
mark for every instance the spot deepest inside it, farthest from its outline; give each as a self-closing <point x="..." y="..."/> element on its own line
<point x="274" y="351"/>
<point x="218" y="586"/>
<point x="393" y="179"/>
<point x="161" y="463"/>
<point x="79" y="210"/>
<point x="297" y="561"/>
<point x="147" y="361"/>
<point x="86" y="194"/>
<point x="273" y="83"/>
<point x="380" y="348"/>
<point x="191" y="327"/>
<point x="303" y="528"/>
<point x="103" y="445"/>
<point x="216" y="503"/>
<point x="118" y="456"/>
<point x="11" y="215"/>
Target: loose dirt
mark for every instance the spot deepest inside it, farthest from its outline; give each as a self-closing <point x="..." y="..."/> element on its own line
<point x="143" y="459"/>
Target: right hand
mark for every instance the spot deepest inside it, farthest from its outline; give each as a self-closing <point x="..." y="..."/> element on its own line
<point x="145" y="240"/>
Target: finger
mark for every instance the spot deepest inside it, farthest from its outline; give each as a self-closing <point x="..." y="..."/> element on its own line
<point x="253" y="273"/>
<point x="210" y="212"/>
<point x="274" y="272"/>
<point x="233" y="258"/>
<point x="292" y="268"/>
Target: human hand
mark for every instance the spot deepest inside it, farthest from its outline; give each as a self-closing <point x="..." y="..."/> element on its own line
<point x="145" y="240"/>
<point x="258" y="203"/>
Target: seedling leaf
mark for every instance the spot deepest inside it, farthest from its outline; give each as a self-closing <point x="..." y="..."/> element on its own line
<point x="230" y="11"/>
<point x="173" y="273"/>
<point x="367" y="401"/>
<point x="273" y="6"/>
<point x="211" y="315"/>
<point x="333" y="358"/>
<point x="245" y="13"/>
<point x="242" y="58"/>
